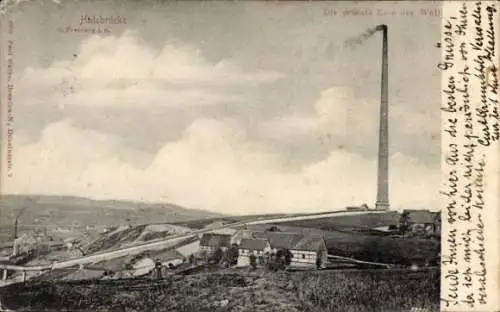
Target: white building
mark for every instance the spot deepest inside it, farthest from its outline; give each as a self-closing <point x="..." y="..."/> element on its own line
<point x="306" y="249"/>
<point x="257" y="247"/>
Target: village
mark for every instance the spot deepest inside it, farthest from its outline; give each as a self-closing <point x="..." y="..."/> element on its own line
<point x="269" y="246"/>
<point x="277" y="250"/>
<point x="212" y="258"/>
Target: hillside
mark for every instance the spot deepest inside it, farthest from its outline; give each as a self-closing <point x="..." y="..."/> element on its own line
<point x="122" y="236"/>
<point x="354" y="222"/>
<point x="202" y="223"/>
<point x="360" y="221"/>
<point x="127" y="236"/>
<point x="63" y="213"/>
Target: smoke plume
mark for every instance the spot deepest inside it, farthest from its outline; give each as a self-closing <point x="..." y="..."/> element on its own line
<point x="355" y="41"/>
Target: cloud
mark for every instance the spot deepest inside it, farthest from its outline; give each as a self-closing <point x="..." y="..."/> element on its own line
<point x="343" y="118"/>
<point x="337" y="111"/>
<point x="285" y="127"/>
<point x="125" y="72"/>
<point x="214" y="166"/>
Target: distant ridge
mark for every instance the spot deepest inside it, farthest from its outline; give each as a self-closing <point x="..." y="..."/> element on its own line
<point x="42" y="210"/>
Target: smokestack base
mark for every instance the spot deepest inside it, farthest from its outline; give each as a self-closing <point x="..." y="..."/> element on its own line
<point x="381" y="206"/>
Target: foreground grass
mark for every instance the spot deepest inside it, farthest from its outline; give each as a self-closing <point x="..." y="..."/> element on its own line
<point x="320" y="291"/>
<point x="369" y="290"/>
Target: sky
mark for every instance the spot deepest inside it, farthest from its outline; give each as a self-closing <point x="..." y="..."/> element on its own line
<point x="232" y="107"/>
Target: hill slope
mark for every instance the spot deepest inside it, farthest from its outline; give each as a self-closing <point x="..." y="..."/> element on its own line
<point x="64" y="210"/>
<point x="353" y="222"/>
<point x="128" y="236"/>
<point x="64" y="216"/>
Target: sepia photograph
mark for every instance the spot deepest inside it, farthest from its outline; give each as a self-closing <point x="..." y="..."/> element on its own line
<point x="199" y="156"/>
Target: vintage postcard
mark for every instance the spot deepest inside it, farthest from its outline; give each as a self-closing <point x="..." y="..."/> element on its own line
<point x="249" y="156"/>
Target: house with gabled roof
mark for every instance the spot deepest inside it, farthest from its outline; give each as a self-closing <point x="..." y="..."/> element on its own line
<point x="306" y="249"/>
<point x="422" y="221"/>
<point x="210" y="242"/>
<point x="236" y="234"/>
<point x="252" y="246"/>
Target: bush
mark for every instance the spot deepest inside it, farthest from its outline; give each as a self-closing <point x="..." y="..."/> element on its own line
<point x="232" y="254"/>
<point x="253" y="261"/>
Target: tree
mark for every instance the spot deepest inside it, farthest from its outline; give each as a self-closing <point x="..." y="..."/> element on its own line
<point x="274" y="228"/>
<point x="232" y="254"/>
<point x="283" y="258"/>
<point x="217" y="256"/>
<point x="288" y="257"/>
<point x="253" y="261"/>
<point x="272" y="263"/>
<point x="404" y="222"/>
<point x="319" y="262"/>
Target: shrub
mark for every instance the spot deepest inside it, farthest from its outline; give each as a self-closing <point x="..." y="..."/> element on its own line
<point x="253" y="261"/>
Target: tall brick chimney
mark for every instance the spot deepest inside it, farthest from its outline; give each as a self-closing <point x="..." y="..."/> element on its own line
<point x="383" y="143"/>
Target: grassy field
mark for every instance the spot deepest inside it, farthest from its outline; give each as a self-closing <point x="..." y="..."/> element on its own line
<point x="382" y="249"/>
<point x="237" y="290"/>
<point x="350" y="222"/>
<point x="360" y="221"/>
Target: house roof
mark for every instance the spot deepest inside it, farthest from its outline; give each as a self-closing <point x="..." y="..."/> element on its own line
<point x="280" y="240"/>
<point x="215" y="240"/>
<point x="293" y="241"/>
<point x="311" y="243"/>
<point x="420" y="216"/>
<point x="260" y="235"/>
<point x="243" y="233"/>
<point x="253" y="244"/>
